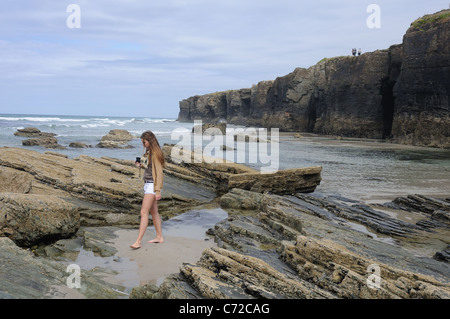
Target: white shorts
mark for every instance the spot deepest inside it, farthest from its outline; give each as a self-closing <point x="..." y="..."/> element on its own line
<point x="148" y="188"/>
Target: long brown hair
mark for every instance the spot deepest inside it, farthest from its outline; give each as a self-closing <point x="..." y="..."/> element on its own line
<point x="154" y="146"/>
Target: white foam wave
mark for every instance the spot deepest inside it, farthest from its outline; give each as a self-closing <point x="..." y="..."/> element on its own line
<point x="93" y="125"/>
<point x="42" y="119"/>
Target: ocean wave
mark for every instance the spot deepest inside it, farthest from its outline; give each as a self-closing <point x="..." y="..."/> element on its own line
<point x="42" y="119"/>
<point x="94" y="125"/>
<point x="161" y="120"/>
<point x="84" y="119"/>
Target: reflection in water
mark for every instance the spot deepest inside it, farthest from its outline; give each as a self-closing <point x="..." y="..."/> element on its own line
<point x="369" y="171"/>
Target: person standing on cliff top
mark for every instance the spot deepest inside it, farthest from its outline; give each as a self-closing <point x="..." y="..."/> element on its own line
<point x="153" y="162"/>
<point x="359" y="51"/>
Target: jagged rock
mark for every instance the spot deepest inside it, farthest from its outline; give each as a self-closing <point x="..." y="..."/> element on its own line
<point x="222" y="273"/>
<point x="302" y="247"/>
<point x="338" y="270"/>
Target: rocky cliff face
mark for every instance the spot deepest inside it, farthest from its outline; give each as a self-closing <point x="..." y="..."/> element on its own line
<point x="422" y="108"/>
<point x="401" y="93"/>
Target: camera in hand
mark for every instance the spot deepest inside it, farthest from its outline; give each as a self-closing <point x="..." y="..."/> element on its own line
<point x="138" y="159"/>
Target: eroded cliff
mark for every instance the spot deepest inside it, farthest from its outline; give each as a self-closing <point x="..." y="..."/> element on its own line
<point x="400" y="93"/>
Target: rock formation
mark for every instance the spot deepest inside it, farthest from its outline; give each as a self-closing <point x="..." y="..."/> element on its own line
<point x="38" y="138"/>
<point x="32" y="132"/>
<point x="401" y="93"/>
<point x="224" y="176"/>
<point x="45" y="197"/>
<point x="307" y="246"/>
<point x="116" y="139"/>
<point x="49" y="196"/>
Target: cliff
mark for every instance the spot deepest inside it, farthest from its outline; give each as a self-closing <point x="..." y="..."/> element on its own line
<point x="400" y="93"/>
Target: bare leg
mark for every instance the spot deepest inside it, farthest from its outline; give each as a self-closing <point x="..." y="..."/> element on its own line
<point x="157" y="223"/>
<point x="147" y="203"/>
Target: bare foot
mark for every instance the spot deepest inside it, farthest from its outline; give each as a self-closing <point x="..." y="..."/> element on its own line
<point x="156" y="241"/>
<point x="135" y="246"/>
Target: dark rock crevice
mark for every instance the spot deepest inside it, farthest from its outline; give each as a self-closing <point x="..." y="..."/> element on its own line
<point x="388" y="104"/>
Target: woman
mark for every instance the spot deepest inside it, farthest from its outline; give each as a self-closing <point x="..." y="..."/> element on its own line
<point x="153" y="162"/>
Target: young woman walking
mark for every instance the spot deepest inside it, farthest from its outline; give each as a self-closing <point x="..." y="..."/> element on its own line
<point x="153" y="162"/>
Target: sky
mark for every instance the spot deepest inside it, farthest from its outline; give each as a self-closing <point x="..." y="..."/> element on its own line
<point x="140" y="58"/>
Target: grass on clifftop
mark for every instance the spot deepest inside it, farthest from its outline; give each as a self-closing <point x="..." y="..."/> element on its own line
<point x="430" y="20"/>
<point x="334" y="58"/>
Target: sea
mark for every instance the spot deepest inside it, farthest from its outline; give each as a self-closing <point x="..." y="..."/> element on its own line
<point x="357" y="169"/>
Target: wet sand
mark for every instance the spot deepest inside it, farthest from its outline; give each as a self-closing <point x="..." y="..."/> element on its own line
<point x="130" y="268"/>
<point x="184" y="241"/>
<point x="154" y="262"/>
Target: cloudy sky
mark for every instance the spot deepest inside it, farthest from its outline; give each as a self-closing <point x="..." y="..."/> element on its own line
<point x="141" y="57"/>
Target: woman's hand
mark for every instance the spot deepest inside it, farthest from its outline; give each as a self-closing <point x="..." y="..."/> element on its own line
<point x="158" y="197"/>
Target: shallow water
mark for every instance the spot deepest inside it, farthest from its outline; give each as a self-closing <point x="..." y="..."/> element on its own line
<point x="360" y="169"/>
<point x="370" y="171"/>
<point x="184" y="241"/>
<point x="185" y="238"/>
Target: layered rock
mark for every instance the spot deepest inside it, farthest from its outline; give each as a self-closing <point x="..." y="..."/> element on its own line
<point x="422" y="91"/>
<point x="49" y="196"/>
<point x="307" y="246"/>
<point x="27" y="276"/>
<point x="270" y="246"/>
<point x="400" y="93"/>
<point x="223" y="176"/>
<point x="45" y="197"/>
